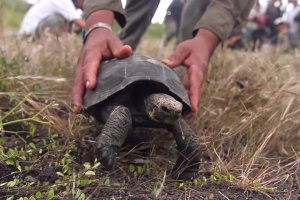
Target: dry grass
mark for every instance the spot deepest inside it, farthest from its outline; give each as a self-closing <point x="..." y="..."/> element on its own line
<point x="249" y="118"/>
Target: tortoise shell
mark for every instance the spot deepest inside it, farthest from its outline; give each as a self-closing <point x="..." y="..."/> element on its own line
<point x="118" y="74"/>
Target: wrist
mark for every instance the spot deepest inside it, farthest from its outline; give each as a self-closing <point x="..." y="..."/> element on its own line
<point x="208" y="41"/>
<point x="98" y="25"/>
<point x="101" y="19"/>
<point x="105" y="16"/>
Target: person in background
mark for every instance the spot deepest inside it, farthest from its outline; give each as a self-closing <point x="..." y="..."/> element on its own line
<point x="214" y="27"/>
<point x="138" y="14"/>
<point x="273" y="12"/>
<point x="190" y="17"/>
<point x="54" y="15"/>
<point x="172" y="21"/>
<point x="291" y="18"/>
<point x="282" y="28"/>
<point x="255" y="27"/>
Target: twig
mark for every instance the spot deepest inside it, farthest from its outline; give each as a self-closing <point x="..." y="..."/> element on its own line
<point x="37" y="78"/>
<point x="223" y="195"/>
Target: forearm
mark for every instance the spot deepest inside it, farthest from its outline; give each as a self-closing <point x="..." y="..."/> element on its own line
<point x="208" y="40"/>
<point x="105" y="16"/>
<point x="222" y="16"/>
<point x="96" y="11"/>
<point x="79" y="22"/>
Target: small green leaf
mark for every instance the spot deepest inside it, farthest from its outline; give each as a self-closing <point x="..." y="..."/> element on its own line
<point x="231" y="178"/>
<point x="32" y="145"/>
<point x="87" y="165"/>
<point x="257" y="185"/>
<point x="13" y="183"/>
<point x="196" y="181"/>
<point x="32" y="130"/>
<point x="3" y="184"/>
<point x="32" y="198"/>
<point x="96" y="165"/>
<point x="10" y="198"/>
<point x="78" y="193"/>
<point x="140" y="170"/>
<point x="84" y="182"/>
<point x="82" y="196"/>
<point x="271" y="190"/>
<point x="158" y="187"/>
<point x="90" y="173"/>
<point x="18" y="166"/>
<point x="181" y="185"/>
<point x="213" y="179"/>
<point x="60" y="174"/>
<point x="63" y="161"/>
<point x="50" y="194"/>
<point x="66" y="169"/>
<point x="10" y="162"/>
<point x="131" y="168"/>
<point x="44" y="142"/>
<point x="38" y="195"/>
<point x="107" y="181"/>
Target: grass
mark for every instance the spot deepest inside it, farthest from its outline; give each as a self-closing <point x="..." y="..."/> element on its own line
<point x="12" y="12"/>
<point x="248" y="124"/>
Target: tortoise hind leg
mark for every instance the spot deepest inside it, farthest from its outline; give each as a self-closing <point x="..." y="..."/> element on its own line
<point x="188" y="159"/>
<point x="113" y="135"/>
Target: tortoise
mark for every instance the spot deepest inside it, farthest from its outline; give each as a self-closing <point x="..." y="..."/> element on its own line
<point x="140" y="91"/>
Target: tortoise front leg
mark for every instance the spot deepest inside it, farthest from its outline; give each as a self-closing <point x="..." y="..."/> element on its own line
<point x="113" y="135"/>
<point x="188" y="160"/>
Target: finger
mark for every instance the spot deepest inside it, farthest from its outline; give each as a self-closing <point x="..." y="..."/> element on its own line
<point x="118" y="49"/>
<point x="111" y="162"/>
<point x="186" y="82"/>
<point x="124" y="52"/>
<point x="78" y="90"/>
<point x="196" y="81"/>
<point x="177" y="58"/>
<point x="91" y="63"/>
<point x="188" y="116"/>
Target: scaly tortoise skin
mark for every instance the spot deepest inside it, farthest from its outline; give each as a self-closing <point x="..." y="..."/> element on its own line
<point x="139" y="91"/>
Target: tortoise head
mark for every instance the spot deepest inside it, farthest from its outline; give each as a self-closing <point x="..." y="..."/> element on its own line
<point x="162" y="108"/>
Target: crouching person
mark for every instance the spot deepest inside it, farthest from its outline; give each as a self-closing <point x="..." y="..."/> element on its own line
<point x="54" y="16"/>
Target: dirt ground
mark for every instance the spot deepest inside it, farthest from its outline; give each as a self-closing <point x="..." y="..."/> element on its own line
<point x="123" y="184"/>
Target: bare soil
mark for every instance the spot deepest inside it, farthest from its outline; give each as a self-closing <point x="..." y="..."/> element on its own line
<point x="123" y="183"/>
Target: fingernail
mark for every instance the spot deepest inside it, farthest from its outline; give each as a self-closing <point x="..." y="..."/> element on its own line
<point x="76" y="109"/>
<point x="87" y="83"/>
<point x="167" y="60"/>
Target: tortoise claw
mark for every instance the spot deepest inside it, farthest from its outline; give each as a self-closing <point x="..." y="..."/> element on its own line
<point x="185" y="175"/>
<point x="186" y="169"/>
<point x="108" y="157"/>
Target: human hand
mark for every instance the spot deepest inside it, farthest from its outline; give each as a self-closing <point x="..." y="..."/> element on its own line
<point x="194" y="54"/>
<point x="100" y="45"/>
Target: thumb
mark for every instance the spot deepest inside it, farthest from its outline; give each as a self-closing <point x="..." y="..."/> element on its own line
<point x="118" y="49"/>
<point x="124" y="52"/>
<point x="177" y="58"/>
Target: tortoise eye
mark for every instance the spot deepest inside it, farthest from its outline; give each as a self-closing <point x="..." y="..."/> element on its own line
<point x="165" y="109"/>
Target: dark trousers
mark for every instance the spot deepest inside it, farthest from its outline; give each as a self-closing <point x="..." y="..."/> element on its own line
<point x="139" y="14"/>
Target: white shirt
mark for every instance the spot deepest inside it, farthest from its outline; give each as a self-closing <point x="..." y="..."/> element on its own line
<point x="43" y="9"/>
<point x="290" y="18"/>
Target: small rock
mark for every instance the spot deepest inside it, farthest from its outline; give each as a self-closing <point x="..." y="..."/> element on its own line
<point x="30" y="179"/>
<point x="4" y="171"/>
<point x="48" y="174"/>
